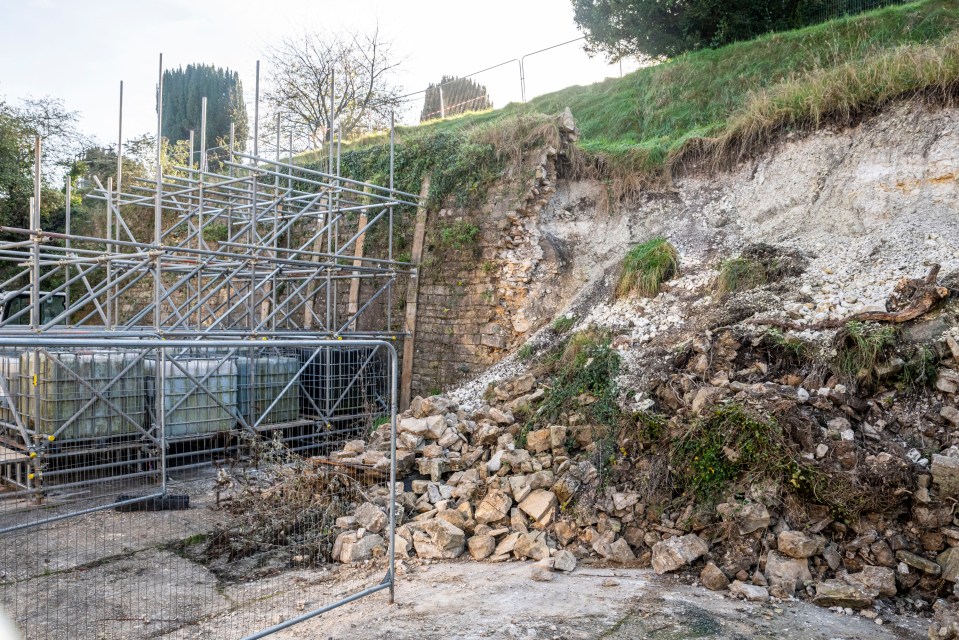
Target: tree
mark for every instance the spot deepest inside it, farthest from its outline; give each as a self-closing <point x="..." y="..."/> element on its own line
<point x="619" y="28"/>
<point x="61" y="142"/>
<point x="183" y="93"/>
<point x="361" y="68"/>
<point x="452" y="96"/>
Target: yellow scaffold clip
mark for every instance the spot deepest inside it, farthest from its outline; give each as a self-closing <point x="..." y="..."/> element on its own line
<point x="34" y="379"/>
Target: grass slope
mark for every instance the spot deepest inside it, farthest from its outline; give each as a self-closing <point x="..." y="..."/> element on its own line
<point x="725" y="103"/>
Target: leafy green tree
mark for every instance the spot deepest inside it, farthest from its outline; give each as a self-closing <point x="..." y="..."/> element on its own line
<point x="61" y="142"/>
<point x="183" y="93"/>
<point x="619" y="28"/>
<point x="452" y="96"/>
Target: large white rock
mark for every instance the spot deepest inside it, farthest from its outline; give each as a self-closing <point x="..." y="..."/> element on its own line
<point x="495" y="506"/>
<point x="788" y="573"/>
<point x="669" y="555"/>
<point x="540" y="505"/>
<point x="371" y="517"/>
<point x="751" y="592"/>
<point x="796" y="544"/>
<point x="438" y="539"/>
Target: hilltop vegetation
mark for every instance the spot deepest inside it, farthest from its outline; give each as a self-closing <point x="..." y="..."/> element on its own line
<point x="712" y="105"/>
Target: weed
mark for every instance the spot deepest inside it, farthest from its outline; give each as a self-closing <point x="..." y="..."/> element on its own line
<point x="861" y="346"/>
<point x="740" y="274"/>
<point x="458" y="235"/>
<point x="920" y="370"/>
<point x="723" y="445"/>
<point x="647" y="266"/>
<point x="215" y="232"/>
<point x="795" y="347"/>
<point x="526" y="352"/>
<point x="588" y="367"/>
<point x="489" y="267"/>
<point x="563" y="324"/>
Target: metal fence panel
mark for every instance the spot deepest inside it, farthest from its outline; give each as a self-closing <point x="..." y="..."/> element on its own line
<point x="161" y="518"/>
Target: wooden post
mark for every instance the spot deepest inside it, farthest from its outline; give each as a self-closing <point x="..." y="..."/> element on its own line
<point x="354" y="304"/>
<point x="412" y="292"/>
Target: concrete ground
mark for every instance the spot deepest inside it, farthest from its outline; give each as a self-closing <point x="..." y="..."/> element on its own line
<point x="113" y="576"/>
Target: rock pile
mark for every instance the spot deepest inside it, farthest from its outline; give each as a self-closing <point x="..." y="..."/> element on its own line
<point x="476" y="484"/>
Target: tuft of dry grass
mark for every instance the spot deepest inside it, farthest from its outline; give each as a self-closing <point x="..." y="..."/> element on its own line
<point x="837" y="95"/>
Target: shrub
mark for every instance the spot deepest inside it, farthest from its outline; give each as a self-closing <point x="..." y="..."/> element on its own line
<point x="699" y="459"/>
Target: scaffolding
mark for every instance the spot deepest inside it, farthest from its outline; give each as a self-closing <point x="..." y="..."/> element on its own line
<point x="231" y="306"/>
<point x="244" y="246"/>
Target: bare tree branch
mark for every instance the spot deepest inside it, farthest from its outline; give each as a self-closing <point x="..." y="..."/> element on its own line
<point x="360" y="65"/>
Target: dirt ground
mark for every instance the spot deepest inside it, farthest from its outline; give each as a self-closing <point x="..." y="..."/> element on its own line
<point x="111" y="576"/>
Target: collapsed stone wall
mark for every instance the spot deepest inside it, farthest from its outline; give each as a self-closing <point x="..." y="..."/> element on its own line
<point x="867" y="204"/>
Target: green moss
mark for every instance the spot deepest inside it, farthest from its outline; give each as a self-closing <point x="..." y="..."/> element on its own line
<point x="647" y="266"/>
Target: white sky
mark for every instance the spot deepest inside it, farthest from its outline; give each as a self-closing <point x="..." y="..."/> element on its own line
<point x="80" y="50"/>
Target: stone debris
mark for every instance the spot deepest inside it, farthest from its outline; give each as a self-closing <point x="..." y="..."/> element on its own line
<point x="713" y="578"/>
<point x="478" y="485"/>
<point x="751" y="592"/>
<point x="674" y="553"/>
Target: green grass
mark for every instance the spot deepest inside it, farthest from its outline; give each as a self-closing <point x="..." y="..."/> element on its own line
<point x="740" y="274"/>
<point x="563" y="324"/>
<point x="715" y="105"/>
<point x="861" y="346"/>
<point x="646" y="266"/>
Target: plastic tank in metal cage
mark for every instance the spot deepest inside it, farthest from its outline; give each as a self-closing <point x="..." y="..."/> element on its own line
<point x="191" y="410"/>
<point x="91" y="393"/>
<point x="265" y="380"/>
<point x="10" y="389"/>
<point x="344" y="383"/>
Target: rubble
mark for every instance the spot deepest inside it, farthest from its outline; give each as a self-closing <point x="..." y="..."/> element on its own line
<point x="488" y="485"/>
<point x="674" y="553"/>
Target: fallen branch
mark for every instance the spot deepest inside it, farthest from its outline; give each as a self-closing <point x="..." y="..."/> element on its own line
<point x="915" y="297"/>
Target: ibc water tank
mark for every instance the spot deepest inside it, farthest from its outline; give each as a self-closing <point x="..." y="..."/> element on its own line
<point x="262" y="381"/>
<point x="188" y="409"/>
<point x="90" y="393"/>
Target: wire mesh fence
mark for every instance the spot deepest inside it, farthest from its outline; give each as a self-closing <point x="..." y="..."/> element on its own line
<point x="185" y="491"/>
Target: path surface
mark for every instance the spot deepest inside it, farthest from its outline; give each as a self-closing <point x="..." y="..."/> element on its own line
<point x="468" y="601"/>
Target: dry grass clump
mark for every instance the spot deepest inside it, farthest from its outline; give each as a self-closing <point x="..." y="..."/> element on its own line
<point x="837" y="95"/>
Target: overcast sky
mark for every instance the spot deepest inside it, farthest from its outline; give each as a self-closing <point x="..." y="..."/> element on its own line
<point x="79" y="51"/>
